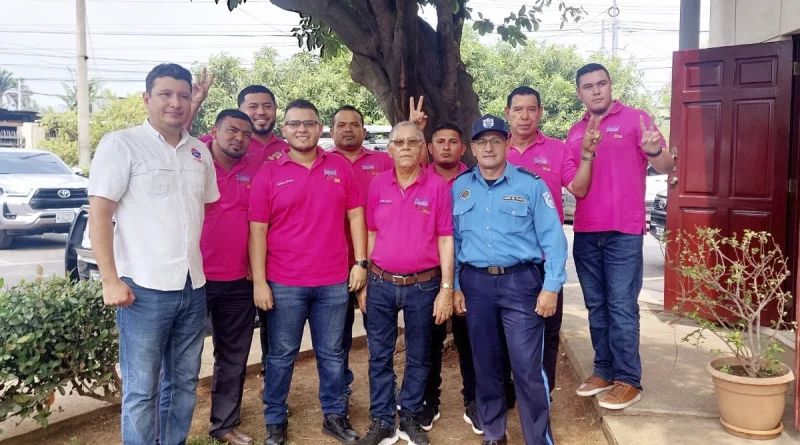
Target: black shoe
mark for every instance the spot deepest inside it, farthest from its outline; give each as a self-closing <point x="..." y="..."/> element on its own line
<point x="471" y="417"/>
<point x="495" y="442"/>
<point x="430" y="414"/>
<point x="411" y="432"/>
<point x="276" y="434"/>
<point x="339" y="428"/>
<point x="347" y="404"/>
<point x="378" y="435"/>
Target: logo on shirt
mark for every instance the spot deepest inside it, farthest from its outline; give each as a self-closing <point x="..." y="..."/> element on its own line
<point x="465" y="194"/>
<point x="243" y="178"/>
<point x="286" y="182"/>
<point x="422" y="205"/>
<point x="613" y="129"/>
<point x="542" y="164"/>
<point x="385" y="201"/>
<point x="197" y="155"/>
<point x="370" y="168"/>
<point x="514" y="198"/>
<point x="548" y="199"/>
<point x="330" y="174"/>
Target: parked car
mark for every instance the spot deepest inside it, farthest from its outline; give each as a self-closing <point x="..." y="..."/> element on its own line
<point x="79" y="260"/>
<point x="38" y="194"/>
<point x="568" y="202"/>
<point x="658" y="218"/>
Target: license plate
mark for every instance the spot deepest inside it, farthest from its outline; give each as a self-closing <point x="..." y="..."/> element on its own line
<point x="65" y="217"/>
<point x="94" y="275"/>
<point x="659" y="231"/>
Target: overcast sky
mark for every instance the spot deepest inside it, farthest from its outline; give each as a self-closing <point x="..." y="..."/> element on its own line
<point x="128" y="37"/>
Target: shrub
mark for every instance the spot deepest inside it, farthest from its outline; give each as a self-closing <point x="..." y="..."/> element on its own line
<point x="55" y="335"/>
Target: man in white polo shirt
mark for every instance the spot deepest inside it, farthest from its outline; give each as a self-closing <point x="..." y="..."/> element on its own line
<point x="155" y="181"/>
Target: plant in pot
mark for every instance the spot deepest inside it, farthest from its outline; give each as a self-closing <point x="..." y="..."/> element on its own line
<point x="732" y="286"/>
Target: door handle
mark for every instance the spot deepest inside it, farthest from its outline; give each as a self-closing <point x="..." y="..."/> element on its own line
<point x="674" y="181"/>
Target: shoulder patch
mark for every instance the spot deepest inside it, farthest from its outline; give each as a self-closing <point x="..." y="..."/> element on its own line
<point x="529" y="172"/>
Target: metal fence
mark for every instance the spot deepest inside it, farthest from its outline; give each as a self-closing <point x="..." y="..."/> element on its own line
<point x="9" y="138"/>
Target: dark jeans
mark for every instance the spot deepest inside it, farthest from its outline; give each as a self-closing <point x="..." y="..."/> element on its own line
<point x="384" y="301"/>
<point x="347" y="341"/>
<point x="325" y="309"/>
<point x="230" y="305"/>
<point x="461" y="338"/>
<point x="160" y="344"/>
<point x="264" y="337"/>
<point x="552" y="332"/>
<point x="610" y="266"/>
<point x="497" y="303"/>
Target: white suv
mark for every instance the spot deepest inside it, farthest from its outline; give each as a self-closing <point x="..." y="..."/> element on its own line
<point x="38" y="194"/>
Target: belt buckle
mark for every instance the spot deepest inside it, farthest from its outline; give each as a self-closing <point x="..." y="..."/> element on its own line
<point x="401" y="278"/>
<point x="494" y="270"/>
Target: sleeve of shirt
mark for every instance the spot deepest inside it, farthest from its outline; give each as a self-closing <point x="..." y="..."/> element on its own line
<point x="205" y="138"/>
<point x="456" y="240"/>
<point x="111" y="169"/>
<point x="551" y="237"/>
<point x="569" y="168"/>
<point x="260" y="205"/>
<point x="372" y="203"/>
<point x="355" y="198"/>
<point x="444" y="214"/>
<point x="211" y="186"/>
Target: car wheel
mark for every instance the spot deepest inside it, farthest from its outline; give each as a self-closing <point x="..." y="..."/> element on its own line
<point x="5" y="240"/>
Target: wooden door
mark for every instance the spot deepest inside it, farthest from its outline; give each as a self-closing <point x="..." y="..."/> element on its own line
<point x="730" y="122"/>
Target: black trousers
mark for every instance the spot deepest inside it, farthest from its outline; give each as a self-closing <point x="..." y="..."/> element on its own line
<point x="461" y="338"/>
<point x="552" y="332"/>
<point x="232" y="311"/>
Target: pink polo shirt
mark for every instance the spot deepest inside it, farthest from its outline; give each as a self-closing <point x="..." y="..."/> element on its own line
<point x="615" y="201"/>
<point x="408" y="222"/>
<point x="257" y="149"/>
<point x="367" y="166"/>
<point x="225" y="227"/>
<point x="462" y="167"/>
<point x="306" y="210"/>
<point x="552" y="160"/>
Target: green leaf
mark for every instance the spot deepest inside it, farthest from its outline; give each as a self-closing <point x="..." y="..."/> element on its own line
<point x="25" y="339"/>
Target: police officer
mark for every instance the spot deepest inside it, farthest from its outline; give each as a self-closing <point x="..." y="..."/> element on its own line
<point x="504" y="222"/>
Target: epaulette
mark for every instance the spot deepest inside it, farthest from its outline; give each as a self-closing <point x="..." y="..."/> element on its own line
<point x="525" y="170"/>
<point x="469" y="170"/>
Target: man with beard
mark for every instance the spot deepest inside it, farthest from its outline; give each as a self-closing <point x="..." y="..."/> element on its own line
<point x="298" y="207"/>
<point x="347" y="129"/>
<point x="554" y="163"/>
<point x="505" y="223"/>
<point x="229" y="293"/>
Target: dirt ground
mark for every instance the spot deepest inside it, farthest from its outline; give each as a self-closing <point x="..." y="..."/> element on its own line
<point x="574" y="420"/>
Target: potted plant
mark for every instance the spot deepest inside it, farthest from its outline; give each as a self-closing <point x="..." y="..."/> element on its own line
<point x="727" y="283"/>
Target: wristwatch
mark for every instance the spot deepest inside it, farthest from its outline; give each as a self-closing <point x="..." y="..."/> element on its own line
<point x="446" y="285"/>
<point x="656" y="154"/>
<point x="363" y="263"/>
<point x="590" y="158"/>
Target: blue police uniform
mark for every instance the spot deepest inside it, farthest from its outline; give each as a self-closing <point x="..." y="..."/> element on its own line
<point x="501" y="232"/>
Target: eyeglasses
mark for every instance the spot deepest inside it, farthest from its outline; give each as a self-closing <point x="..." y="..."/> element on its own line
<point x="297" y="124"/>
<point x="411" y="142"/>
<point x="496" y="142"/>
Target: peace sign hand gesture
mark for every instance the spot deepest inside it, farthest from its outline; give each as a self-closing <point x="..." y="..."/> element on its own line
<point x="592" y="137"/>
<point x="201" y="86"/>
<point x="651" y="138"/>
<point x="416" y="115"/>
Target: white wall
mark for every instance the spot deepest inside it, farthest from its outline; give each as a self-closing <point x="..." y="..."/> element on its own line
<point x="739" y="22"/>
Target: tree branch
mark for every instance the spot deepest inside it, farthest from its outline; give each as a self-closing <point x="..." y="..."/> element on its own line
<point x="369" y="72"/>
<point x="449" y="50"/>
<point x="385" y="18"/>
<point x="341" y="18"/>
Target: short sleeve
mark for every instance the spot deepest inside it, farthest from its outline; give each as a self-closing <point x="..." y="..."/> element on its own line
<point x="355" y="198"/>
<point x="211" y="191"/>
<point x="444" y="214"/>
<point x="372" y="204"/>
<point x="569" y="168"/>
<point x="110" y="171"/>
<point x="260" y="204"/>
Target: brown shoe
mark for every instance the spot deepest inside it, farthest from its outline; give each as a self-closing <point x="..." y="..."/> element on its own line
<point x="234" y="437"/>
<point x="621" y="396"/>
<point x="593" y="385"/>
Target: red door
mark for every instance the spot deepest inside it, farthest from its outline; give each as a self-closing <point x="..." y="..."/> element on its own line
<point x="730" y="122"/>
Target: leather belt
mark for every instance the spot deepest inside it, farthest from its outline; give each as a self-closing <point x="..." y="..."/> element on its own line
<point x="407" y="279"/>
<point x="496" y="270"/>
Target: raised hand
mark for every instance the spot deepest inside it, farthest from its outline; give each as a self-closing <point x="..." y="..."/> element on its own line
<point x="651" y="138"/>
<point x="593" y="136"/>
<point x="416" y="115"/>
<point x="201" y="86"/>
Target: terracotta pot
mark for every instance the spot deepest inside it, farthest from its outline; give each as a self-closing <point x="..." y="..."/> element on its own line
<point x="51" y="399"/>
<point x="750" y="407"/>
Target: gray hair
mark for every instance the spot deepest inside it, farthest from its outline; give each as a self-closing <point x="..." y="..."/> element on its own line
<point x="405" y="124"/>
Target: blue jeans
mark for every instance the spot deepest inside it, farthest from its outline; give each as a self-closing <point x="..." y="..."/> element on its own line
<point x="160" y="334"/>
<point x="384" y="302"/>
<point x="325" y="309"/>
<point x="610" y="267"/>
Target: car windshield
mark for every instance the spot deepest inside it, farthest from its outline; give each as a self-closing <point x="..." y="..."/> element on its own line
<point x="31" y="163"/>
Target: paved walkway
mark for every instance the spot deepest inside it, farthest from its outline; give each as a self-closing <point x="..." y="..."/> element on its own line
<point x="678" y="404"/>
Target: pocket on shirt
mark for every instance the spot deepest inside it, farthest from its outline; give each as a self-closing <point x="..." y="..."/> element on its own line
<point x="161" y="182"/>
<point x="194" y="180"/>
<point x="463" y="213"/>
<point x="513" y="216"/>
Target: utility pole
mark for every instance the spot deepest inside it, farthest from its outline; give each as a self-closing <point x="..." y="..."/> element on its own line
<point x="614" y="28"/>
<point x="603" y="39"/>
<point x="84" y="148"/>
<point x="19" y="94"/>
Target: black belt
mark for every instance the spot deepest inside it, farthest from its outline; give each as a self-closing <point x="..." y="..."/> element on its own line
<point x="495" y="270"/>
